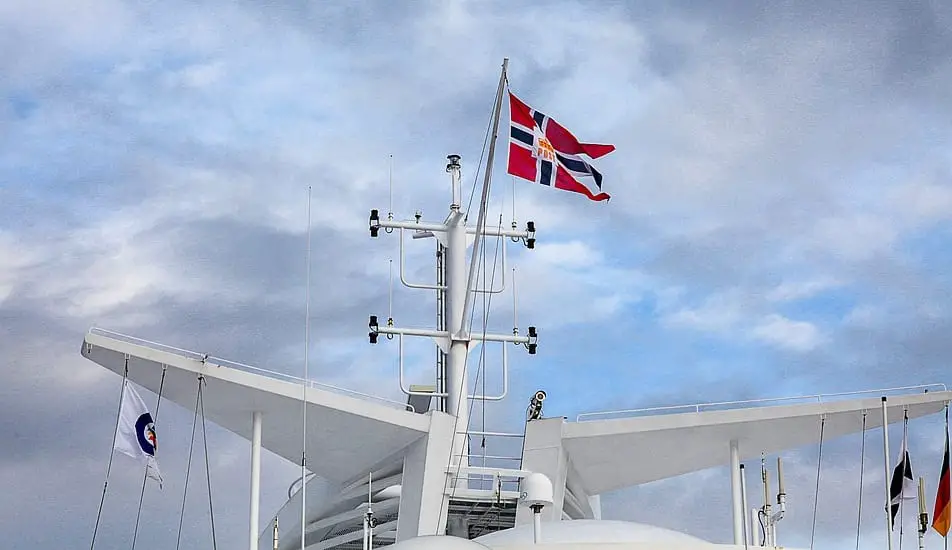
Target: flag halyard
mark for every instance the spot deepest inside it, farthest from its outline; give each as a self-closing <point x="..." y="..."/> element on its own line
<point x="545" y="152"/>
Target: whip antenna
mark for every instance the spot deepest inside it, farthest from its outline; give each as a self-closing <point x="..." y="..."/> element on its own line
<point x="307" y="345"/>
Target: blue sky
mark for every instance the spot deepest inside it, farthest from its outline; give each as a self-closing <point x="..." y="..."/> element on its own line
<point x="779" y="222"/>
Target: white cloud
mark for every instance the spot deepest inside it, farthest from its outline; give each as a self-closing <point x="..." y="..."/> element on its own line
<point x="736" y="314"/>
<point x="570" y="282"/>
<point x="719" y="313"/>
<point x="788" y="334"/>
<point x="800" y="289"/>
<point x="923" y="202"/>
<point x="15" y="259"/>
<point x="865" y="316"/>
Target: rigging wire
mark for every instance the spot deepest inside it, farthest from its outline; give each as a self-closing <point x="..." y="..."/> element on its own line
<point x="487" y="300"/>
<point x="816" y="494"/>
<point x="145" y="475"/>
<point x="472" y="193"/>
<point x="188" y="464"/>
<point x="208" y="475"/>
<point x="482" y="347"/>
<point x="482" y="361"/>
<point x="122" y="390"/>
<point x="862" y="463"/>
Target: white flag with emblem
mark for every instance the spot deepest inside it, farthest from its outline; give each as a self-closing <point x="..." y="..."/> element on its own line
<point x="135" y="433"/>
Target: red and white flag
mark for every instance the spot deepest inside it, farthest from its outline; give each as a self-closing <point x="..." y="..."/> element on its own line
<point x="543" y="151"/>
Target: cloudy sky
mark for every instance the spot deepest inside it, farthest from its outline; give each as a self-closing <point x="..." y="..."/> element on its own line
<point x="779" y="224"/>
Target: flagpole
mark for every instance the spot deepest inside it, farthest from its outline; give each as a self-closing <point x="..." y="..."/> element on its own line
<point x="112" y="451"/>
<point x="481" y="218"/>
<point x="945" y="539"/>
<point x="905" y="464"/>
<point x="886" y="479"/>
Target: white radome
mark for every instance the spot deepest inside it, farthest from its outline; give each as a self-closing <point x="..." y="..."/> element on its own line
<point x="537" y="490"/>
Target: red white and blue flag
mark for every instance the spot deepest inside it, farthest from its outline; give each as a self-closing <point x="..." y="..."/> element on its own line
<point x="543" y="151"/>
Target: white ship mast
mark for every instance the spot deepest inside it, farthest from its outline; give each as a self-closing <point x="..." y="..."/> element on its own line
<point x="456" y="339"/>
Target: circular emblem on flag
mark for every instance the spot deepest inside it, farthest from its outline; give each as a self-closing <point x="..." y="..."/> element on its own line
<point x="145" y="433"/>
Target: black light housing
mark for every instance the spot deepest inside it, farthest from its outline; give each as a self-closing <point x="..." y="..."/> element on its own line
<point x="374" y="222"/>
<point x="373" y="329"/>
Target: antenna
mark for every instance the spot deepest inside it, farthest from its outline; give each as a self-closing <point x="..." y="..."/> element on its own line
<point x="390" y="211"/>
<point x="307" y="346"/>
<point x="390" y="293"/>
<point x="369" y="521"/>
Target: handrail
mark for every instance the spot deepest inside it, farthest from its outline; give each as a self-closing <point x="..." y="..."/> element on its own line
<point x="219" y="361"/>
<point x="493" y="434"/>
<point x="698" y="407"/>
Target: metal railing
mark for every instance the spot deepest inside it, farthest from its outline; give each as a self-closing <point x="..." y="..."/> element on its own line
<point x="219" y="361"/>
<point x="750" y="403"/>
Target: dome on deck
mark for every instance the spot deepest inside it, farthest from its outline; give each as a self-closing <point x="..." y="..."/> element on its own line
<point x="590" y="530"/>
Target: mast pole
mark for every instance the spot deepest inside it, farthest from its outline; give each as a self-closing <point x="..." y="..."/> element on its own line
<point x="255" y="479"/>
<point x="737" y="505"/>
<point x="886" y="469"/>
<point x="459" y="290"/>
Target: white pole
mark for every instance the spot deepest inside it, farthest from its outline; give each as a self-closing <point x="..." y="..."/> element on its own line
<point x="886" y="469"/>
<point x="537" y="524"/>
<point x="456" y="387"/>
<point x="743" y="489"/>
<point x="255" y="479"/>
<point x="737" y="503"/>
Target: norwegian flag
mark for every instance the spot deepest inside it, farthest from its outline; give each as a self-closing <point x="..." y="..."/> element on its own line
<point x="543" y="151"/>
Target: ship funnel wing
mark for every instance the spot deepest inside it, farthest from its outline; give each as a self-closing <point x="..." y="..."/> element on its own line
<point x="610" y="454"/>
<point x="233" y="392"/>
